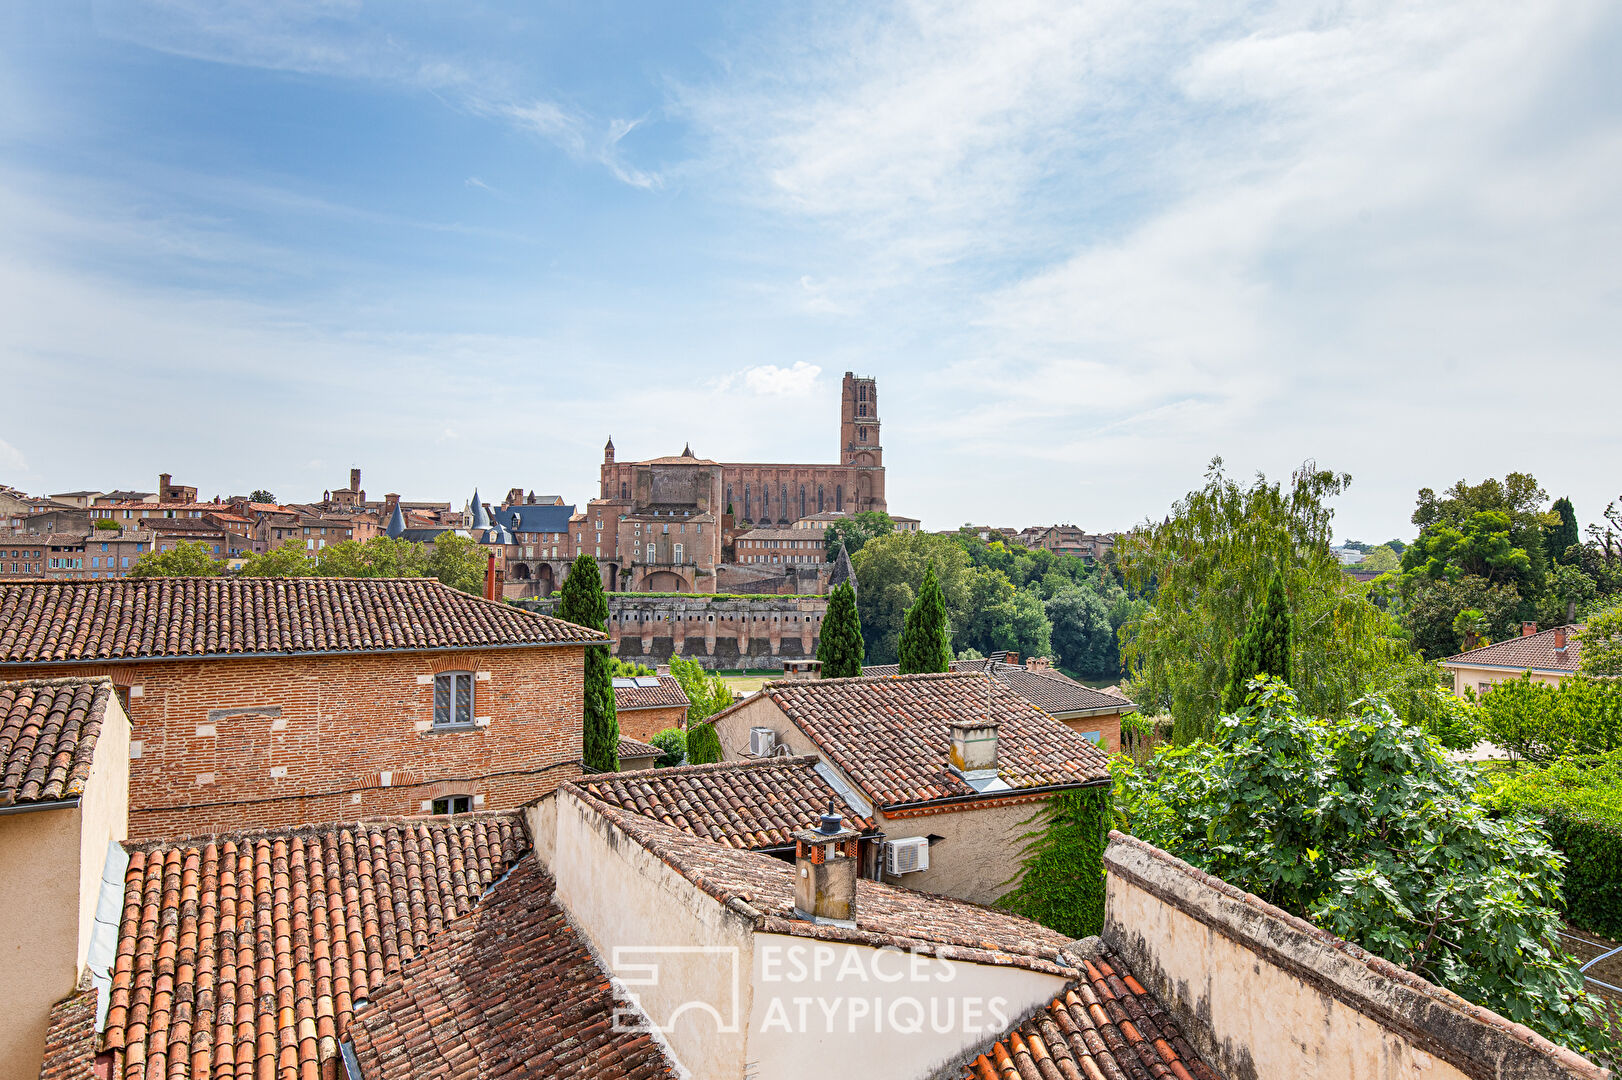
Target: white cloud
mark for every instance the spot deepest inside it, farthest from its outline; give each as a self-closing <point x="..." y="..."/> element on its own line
<point x="769" y="380"/>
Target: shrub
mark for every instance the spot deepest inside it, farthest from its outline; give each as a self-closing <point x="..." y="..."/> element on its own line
<point x="1580" y="803"/>
<point x="107" y="523"/>
<point x="1365" y="826"/>
<point x="1062" y="868"/>
<point x="1540" y="722"/>
<point x="673" y="741"/>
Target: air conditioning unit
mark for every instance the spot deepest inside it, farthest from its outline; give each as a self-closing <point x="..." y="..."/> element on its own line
<point x="907" y="855"/>
<point x="762" y="741"/>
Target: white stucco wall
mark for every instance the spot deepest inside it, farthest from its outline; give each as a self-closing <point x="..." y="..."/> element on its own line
<point x="39" y="930"/>
<point x="978" y="853"/>
<point x="104" y="815"/>
<point x="636" y="910"/>
<point x="830" y="1009"/>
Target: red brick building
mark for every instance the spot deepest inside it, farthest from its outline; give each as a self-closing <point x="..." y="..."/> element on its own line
<point x="649" y="704"/>
<point x="273" y="702"/>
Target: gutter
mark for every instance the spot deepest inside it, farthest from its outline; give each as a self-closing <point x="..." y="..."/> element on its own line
<point x="1010" y="793"/>
<point x="30" y="807"/>
<point x="1509" y="667"/>
<point x="1123" y="708"/>
<point x="391" y="651"/>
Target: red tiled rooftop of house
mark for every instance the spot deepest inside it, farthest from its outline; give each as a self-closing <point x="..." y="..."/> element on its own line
<point x="166" y="617"/>
<point x="511" y="990"/>
<point x="738" y="804"/>
<point x="648" y="692"/>
<point x="1540" y="651"/>
<point x="246" y="954"/>
<point x="890" y="735"/>
<point x="48" y="733"/>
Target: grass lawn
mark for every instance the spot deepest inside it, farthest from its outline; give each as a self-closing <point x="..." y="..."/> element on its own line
<point x="747" y="681"/>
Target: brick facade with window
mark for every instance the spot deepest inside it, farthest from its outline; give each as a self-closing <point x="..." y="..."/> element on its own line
<point x="224" y="742"/>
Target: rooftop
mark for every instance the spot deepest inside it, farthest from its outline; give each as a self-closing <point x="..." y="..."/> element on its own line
<point x="1053" y="691"/>
<point x="635" y="748"/>
<point x="890" y="735"/>
<point x="1534" y="651"/>
<point x="737" y="804"/>
<point x="48" y="732"/>
<point x="171" y="617"/>
<point x="247" y="953"/>
<point x="513" y="988"/>
<point x="648" y="692"/>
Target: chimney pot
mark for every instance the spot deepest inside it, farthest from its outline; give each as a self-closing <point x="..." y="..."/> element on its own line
<point x="661" y="669"/>
<point x="825" y="871"/>
<point x="1528" y="629"/>
<point x="1560" y="639"/>
<point x="974" y="746"/>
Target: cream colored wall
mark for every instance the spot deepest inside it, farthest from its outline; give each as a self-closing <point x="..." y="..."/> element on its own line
<point x="39" y="930"/>
<point x="850" y="1009"/>
<point x="1473" y="677"/>
<point x="761" y="711"/>
<point x="1258" y="1013"/>
<point x="623" y="897"/>
<point x="979" y="852"/>
<point x="104" y="814"/>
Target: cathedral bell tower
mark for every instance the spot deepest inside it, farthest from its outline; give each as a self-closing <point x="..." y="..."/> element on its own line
<point x="859" y="423"/>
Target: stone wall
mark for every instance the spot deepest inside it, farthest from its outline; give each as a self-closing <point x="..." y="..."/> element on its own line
<point x="755" y="634"/>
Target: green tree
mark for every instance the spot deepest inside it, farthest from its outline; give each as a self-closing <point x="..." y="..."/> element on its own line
<point x="460" y="562"/>
<point x="926" y="639"/>
<point x="855" y="531"/>
<point x="1000" y="617"/>
<point x="1601" y="643"/>
<point x="673" y="741"/>
<point x="1368" y="829"/>
<point x="260" y="495"/>
<point x="707" y="694"/>
<point x="1431" y="609"/>
<point x="1210" y="563"/>
<point x="703" y="745"/>
<point x="1265" y="648"/>
<point x="1542" y="722"/>
<point x="840" y="645"/>
<point x="1380" y="560"/>
<point x="1561" y="537"/>
<point x="890" y="571"/>
<point x="583" y="603"/>
<point x="381" y="556"/>
<point x="289" y="560"/>
<point x="1083" y="639"/>
<point x="185" y="559"/>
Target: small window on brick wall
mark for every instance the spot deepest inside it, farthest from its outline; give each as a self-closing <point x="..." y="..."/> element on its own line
<point x="453" y="804"/>
<point x="453" y="699"/>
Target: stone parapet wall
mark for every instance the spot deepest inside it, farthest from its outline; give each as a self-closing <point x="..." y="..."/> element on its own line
<point x="721" y="633"/>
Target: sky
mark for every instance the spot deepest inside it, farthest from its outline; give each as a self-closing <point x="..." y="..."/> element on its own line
<point x="1085" y="248"/>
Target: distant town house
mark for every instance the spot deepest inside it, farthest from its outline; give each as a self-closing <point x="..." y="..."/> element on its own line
<point x="261" y="702"/>
<point x="1548" y="656"/>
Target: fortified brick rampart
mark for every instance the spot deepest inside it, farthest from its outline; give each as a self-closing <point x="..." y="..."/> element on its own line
<point x="720" y="633"/>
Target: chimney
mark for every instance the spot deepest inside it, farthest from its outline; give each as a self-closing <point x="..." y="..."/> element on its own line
<point x="1560" y="639"/>
<point x="490" y="586"/>
<point x="974" y="748"/>
<point x="802" y="670"/>
<point x="661" y="669"/>
<point x="1528" y="629"/>
<point x="1037" y="663"/>
<point x="354" y="479"/>
<point x="825" y="860"/>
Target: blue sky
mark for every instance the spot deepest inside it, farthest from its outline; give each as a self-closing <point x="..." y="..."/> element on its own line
<point x="1084" y="247"/>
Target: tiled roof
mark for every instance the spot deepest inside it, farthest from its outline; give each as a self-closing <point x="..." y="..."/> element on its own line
<point x="1531" y="651"/>
<point x="812" y="537"/>
<point x="48" y="732"/>
<point x="890" y="735"/>
<point x="1053" y="691"/>
<point x="738" y="804"/>
<point x="510" y="991"/>
<point x="636" y="694"/>
<point x="760" y="887"/>
<point x="70" y="1037"/>
<point x="1103" y="1025"/>
<point x="162" y="617"/>
<point x="245" y="954"/>
<point x="632" y="748"/>
<point x="536" y="517"/>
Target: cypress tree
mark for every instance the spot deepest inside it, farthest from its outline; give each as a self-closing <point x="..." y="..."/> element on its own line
<point x="840" y="647"/>
<point x="1265" y="648"/>
<point x="583" y="603"/>
<point x="703" y="745"/>
<point x="1562" y="536"/>
<point x="925" y="637"/>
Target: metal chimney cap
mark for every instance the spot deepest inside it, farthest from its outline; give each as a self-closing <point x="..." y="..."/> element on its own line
<point x="832" y="822"/>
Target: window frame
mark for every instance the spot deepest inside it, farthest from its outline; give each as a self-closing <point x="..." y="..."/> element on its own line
<point x="453" y="724"/>
<point x="451" y="802"/>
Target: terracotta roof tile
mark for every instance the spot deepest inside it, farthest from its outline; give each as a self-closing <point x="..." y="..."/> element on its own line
<point x="245" y="954"/>
<point x="634" y="748"/>
<point x="512" y="990"/>
<point x="163" y="617"/>
<point x="70" y="1037"/>
<point x="1530" y="651"/>
<point x="761" y="887"/>
<point x="48" y="732"/>
<point x="667" y="692"/>
<point x="1052" y="691"/>
<point x="1105" y="1024"/>
<point x="890" y="735"/>
<point x="738" y="804"/>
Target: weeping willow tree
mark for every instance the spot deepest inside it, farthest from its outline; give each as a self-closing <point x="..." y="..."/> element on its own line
<point x="1206" y="569"/>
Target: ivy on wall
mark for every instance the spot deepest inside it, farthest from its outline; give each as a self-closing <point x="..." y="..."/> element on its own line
<point x="1063" y="863"/>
